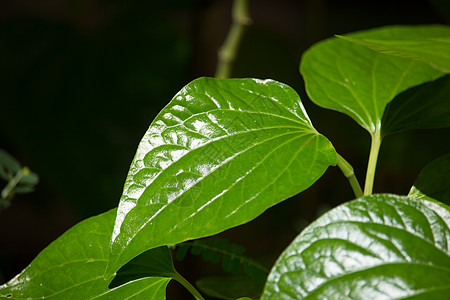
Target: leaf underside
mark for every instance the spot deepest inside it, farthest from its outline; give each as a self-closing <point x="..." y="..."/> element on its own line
<point x="426" y="106"/>
<point x="376" y="247"/>
<point x="218" y="155"/>
<point x="433" y="182"/>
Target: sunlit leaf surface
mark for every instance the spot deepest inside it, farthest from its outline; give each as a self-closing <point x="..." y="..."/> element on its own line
<point x="358" y="81"/>
<point x="218" y="155"/>
<point x="72" y="267"/>
<point x="376" y="247"/>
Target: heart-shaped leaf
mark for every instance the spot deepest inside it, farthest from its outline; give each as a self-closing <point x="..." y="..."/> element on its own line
<point x="72" y="267"/>
<point x="427" y="43"/>
<point x="218" y="155"/>
<point x="358" y="81"/>
<point x="434" y="181"/>
<point x="376" y="247"/>
<point x="425" y="106"/>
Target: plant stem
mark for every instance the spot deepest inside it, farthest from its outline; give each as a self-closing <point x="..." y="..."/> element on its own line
<point x="8" y="190"/>
<point x="373" y="157"/>
<point x="188" y="286"/>
<point x="349" y="173"/>
<point x="227" y="53"/>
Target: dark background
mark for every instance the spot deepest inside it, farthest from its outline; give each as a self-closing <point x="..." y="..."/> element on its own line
<point x="81" y="81"/>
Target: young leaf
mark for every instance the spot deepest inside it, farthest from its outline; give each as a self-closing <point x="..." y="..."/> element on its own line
<point x="72" y="267"/>
<point x="9" y="166"/>
<point x="376" y="247"/>
<point x="358" y="81"/>
<point x="434" y="181"/>
<point x="425" y="106"/>
<point x="218" y="155"/>
<point x="230" y="287"/>
<point x="427" y="43"/>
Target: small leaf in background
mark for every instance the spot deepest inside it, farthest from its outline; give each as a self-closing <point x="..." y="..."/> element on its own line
<point x="230" y="287"/>
<point x="425" y="106"/>
<point x="217" y="156"/>
<point x="233" y="260"/>
<point x="434" y="181"/>
<point x="8" y="165"/>
<point x="376" y="247"/>
<point x="358" y="81"/>
<point x="72" y="267"/>
<point x="427" y="43"/>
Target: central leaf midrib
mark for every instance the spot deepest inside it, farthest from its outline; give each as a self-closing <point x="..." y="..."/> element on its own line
<point x="203" y="177"/>
<point x="336" y="278"/>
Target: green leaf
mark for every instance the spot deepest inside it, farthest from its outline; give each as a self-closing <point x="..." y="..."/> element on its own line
<point x="434" y="181"/>
<point x="425" y="106"/>
<point x="358" y="81"/>
<point x="156" y="262"/>
<point x="218" y="155"/>
<point x="427" y="43"/>
<point x="72" y="267"/>
<point x="376" y="247"/>
<point x="230" y="287"/>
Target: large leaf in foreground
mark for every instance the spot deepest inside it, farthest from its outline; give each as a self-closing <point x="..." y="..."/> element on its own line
<point x="376" y="247"/>
<point x="434" y="181"/>
<point x="218" y="155"/>
<point x="425" y="106"/>
<point x="358" y="81"/>
<point x="72" y="267"/>
<point x="427" y="43"/>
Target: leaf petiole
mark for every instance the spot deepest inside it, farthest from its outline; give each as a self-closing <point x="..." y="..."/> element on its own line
<point x="372" y="165"/>
<point x="188" y="286"/>
<point x="349" y="173"/>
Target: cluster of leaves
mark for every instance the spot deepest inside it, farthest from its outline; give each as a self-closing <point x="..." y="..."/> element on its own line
<point x="20" y="180"/>
<point x="223" y="151"/>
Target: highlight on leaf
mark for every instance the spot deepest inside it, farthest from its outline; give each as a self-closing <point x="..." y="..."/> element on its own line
<point x="231" y="256"/>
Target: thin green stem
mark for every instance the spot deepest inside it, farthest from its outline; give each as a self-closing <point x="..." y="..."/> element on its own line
<point x="188" y="286"/>
<point x="228" y="51"/>
<point x="8" y="190"/>
<point x="349" y="173"/>
<point x="372" y="165"/>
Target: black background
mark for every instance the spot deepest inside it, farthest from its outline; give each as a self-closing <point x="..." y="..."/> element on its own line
<point x="81" y="80"/>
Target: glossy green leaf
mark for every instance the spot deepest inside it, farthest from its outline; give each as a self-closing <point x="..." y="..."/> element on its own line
<point x="425" y="106"/>
<point x="434" y="181"/>
<point x="427" y="43"/>
<point x="72" y="267"/>
<point x="376" y="247"/>
<point x="230" y="287"/>
<point x="358" y="81"/>
<point x="218" y="155"/>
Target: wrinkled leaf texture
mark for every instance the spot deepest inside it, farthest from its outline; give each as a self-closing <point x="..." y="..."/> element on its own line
<point x="376" y="247"/>
<point x="218" y="155"/>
